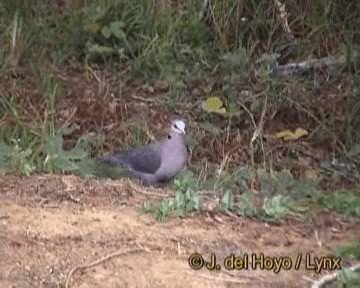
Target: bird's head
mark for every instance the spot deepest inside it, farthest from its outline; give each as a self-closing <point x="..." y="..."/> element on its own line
<point x="178" y="126"/>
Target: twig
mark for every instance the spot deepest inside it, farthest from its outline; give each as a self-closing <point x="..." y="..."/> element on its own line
<point x="148" y="133"/>
<point x="218" y="31"/>
<point x="232" y="215"/>
<point x="314" y="63"/>
<point x="146" y="193"/>
<point x="204" y="8"/>
<point x="136" y="189"/>
<point x="136" y="97"/>
<point x="101" y="260"/>
<point x="282" y="16"/>
<point x="257" y="131"/>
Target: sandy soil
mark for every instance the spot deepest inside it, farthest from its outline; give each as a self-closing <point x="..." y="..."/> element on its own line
<point x="65" y="231"/>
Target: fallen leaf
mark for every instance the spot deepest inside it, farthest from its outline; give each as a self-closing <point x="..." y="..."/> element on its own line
<point x="288" y="135"/>
<point x="213" y="104"/>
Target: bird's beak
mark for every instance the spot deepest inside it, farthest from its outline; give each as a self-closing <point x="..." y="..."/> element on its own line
<point x="182" y="130"/>
<point x="179" y="126"/>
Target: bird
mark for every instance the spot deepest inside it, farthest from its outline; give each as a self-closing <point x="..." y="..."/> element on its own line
<point x="158" y="161"/>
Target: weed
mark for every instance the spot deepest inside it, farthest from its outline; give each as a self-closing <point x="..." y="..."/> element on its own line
<point x="185" y="200"/>
<point x="345" y="203"/>
<point x="19" y="159"/>
<point x="5" y="153"/>
<point x="348" y="278"/>
<point x="58" y="160"/>
<point x="227" y="201"/>
<point x="351" y="250"/>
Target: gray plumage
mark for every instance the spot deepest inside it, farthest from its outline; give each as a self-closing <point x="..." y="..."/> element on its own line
<point x="158" y="161"/>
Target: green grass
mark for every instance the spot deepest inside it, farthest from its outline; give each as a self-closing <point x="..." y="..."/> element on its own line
<point x="224" y="50"/>
<point x="350" y="251"/>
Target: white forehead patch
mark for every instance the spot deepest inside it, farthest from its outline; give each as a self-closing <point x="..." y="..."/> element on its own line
<point x="180" y="125"/>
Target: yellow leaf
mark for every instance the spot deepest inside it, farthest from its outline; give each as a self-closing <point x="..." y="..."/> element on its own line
<point x="213" y="104"/>
<point x="288" y="135"/>
<point x="282" y="134"/>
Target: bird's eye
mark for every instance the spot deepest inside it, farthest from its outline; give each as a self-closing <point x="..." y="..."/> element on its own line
<point x="175" y="126"/>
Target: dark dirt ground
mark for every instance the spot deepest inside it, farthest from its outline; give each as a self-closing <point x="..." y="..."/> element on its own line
<point x="51" y="224"/>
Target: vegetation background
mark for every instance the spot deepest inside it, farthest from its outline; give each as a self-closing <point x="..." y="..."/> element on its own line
<point x="270" y="90"/>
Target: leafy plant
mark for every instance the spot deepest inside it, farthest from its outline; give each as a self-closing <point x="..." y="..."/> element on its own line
<point x="276" y="207"/>
<point x="57" y="160"/>
<point x="186" y="199"/>
<point x="227" y="201"/>
<point x="247" y="206"/>
<point x="350" y="250"/>
<point x="5" y="153"/>
<point x="160" y="46"/>
<point x="276" y="196"/>
<point x="345" y="203"/>
<point x="20" y="159"/>
<point x="349" y="278"/>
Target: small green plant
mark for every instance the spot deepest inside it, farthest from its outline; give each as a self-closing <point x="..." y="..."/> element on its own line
<point x="20" y="159"/>
<point x="75" y="160"/>
<point x="348" y="277"/>
<point x="345" y="203"/>
<point x="235" y="61"/>
<point x="5" y="153"/>
<point x="186" y="199"/>
<point x="276" y="207"/>
<point x="276" y="196"/>
<point x="227" y="201"/>
<point x="247" y="206"/>
<point x="273" y="208"/>
<point x="351" y="250"/>
<point x="160" y="45"/>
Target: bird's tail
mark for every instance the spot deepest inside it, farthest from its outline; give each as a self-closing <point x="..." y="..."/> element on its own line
<point x="112" y="158"/>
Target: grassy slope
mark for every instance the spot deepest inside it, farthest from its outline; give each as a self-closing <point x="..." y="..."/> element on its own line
<point x="68" y="81"/>
<point x="93" y="59"/>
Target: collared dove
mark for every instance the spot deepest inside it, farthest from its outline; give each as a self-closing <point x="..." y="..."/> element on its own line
<point x="157" y="161"/>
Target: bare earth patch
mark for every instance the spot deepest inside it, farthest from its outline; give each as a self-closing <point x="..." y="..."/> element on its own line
<point x="88" y="232"/>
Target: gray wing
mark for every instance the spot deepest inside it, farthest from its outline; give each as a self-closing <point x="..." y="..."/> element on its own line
<point x="145" y="159"/>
